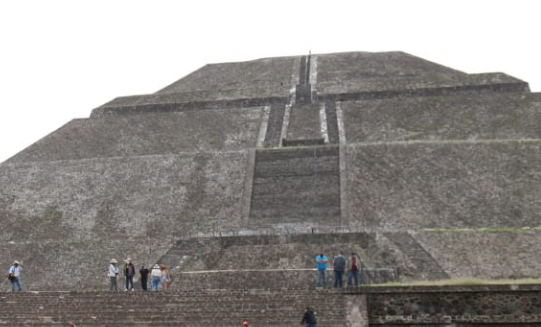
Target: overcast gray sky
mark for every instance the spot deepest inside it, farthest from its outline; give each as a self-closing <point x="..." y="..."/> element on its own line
<point x="59" y="59"/>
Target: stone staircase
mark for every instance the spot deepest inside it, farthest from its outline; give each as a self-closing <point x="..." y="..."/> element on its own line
<point x="198" y="308"/>
<point x="427" y="267"/>
<point x="274" y="126"/>
<point x="296" y="185"/>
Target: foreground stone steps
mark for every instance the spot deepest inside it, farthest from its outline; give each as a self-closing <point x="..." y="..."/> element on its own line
<point x="201" y="308"/>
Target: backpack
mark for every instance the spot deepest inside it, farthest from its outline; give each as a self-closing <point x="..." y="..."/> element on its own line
<point x="340" y="263"/>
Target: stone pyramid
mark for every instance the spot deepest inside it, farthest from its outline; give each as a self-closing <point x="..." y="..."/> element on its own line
<point x="239" y="173"/>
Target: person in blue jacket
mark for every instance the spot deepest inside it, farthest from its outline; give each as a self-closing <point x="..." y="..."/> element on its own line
<point x="321" y="265"/>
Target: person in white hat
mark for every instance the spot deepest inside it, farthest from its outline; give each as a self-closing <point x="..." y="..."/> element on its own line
<point x="112" y="274"/>
<point x="15" y="276"/>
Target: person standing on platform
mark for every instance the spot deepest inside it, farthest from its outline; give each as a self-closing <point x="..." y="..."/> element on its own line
<point x="155" y="275"/>
<point x="113" y="273"/>
<point x="165" y="278"/>
<point x="129" y="272"/>
<point x="321" y="265"/>
<point x="144" y="277"/>
<point x="15" y="276"/>
<point x="339" y="264"/>
<point x="353" y="269"/>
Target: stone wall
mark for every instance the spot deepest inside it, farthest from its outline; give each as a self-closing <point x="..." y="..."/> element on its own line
<point x="367" y="75"/>
<point x="223" y="130"/>
<point x="497" y="305"/>
<point x="260" y="73"/>
<point x="498" y="254"/>
<point x="113" y="207"/>
<point x="415" y="185"/>
<point x="292" y="279"/>
<point x="455" y="117"/>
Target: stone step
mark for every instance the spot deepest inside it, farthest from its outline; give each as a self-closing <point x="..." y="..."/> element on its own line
<point x="198" y="308"/>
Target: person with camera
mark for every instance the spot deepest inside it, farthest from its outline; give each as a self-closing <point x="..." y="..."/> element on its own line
<point x="15" y="276"/>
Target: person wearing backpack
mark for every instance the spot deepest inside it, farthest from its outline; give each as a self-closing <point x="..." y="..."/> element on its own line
<point x="353" y="272"/>
<point x="339" y="264"/>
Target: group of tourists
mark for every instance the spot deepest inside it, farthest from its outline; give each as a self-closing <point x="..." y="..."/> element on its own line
<point x="341" y="265"/>
<point x="160" y="277"/>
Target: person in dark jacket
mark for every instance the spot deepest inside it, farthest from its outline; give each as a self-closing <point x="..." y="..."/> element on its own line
<point x="144" y="277"/>
<point x="339" y="264"/>
<point x="129" y="272"/>
<point x="309" y="318"/>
